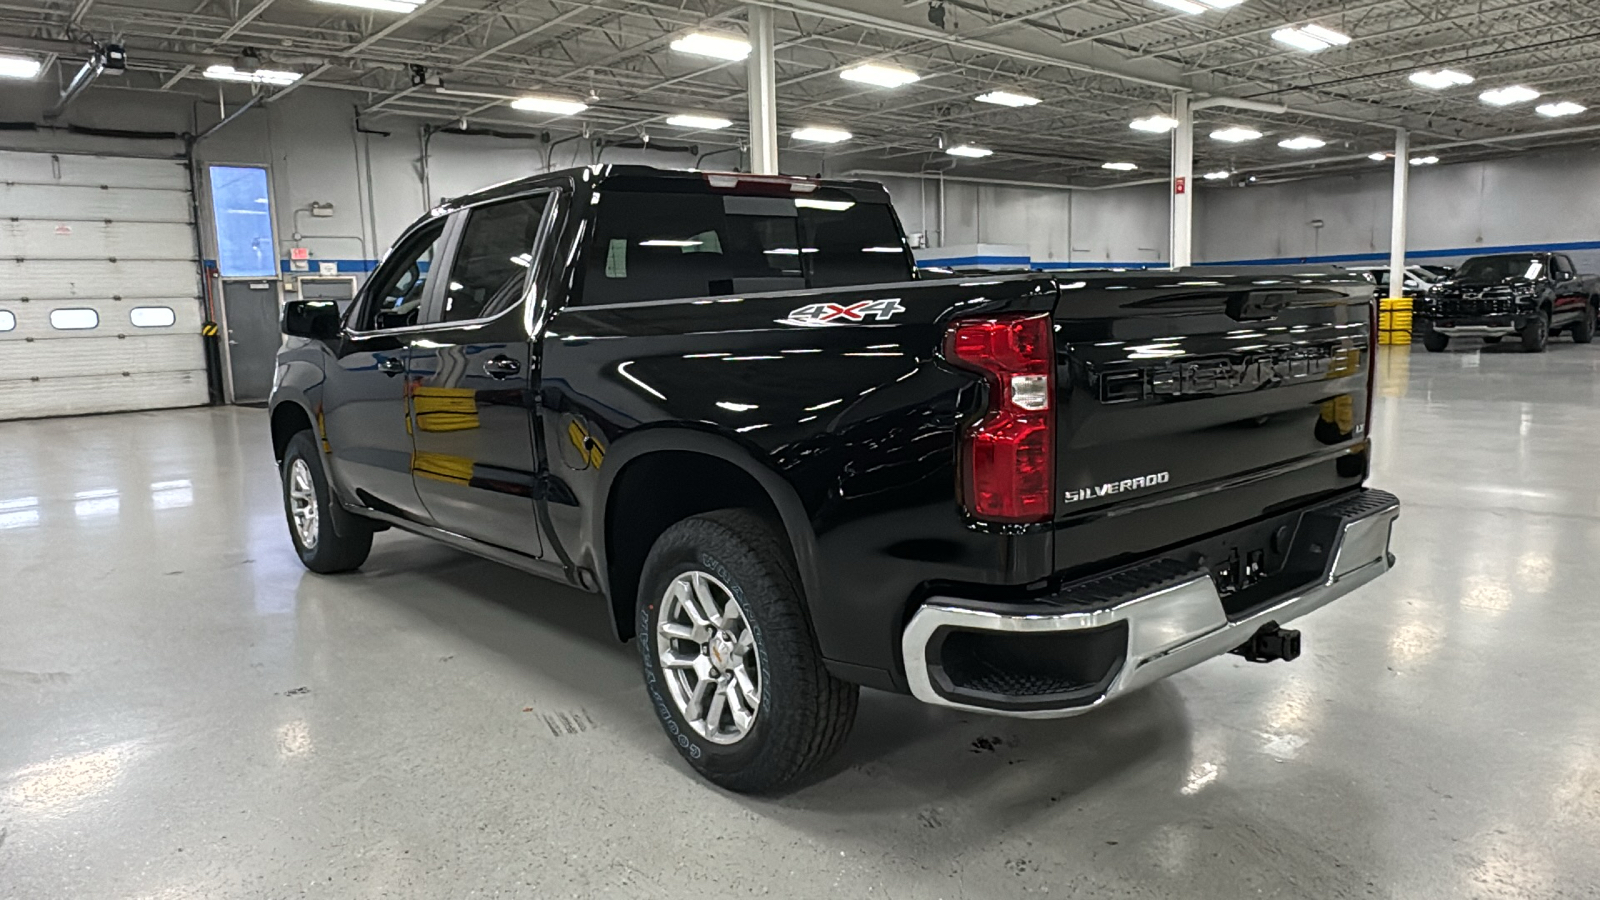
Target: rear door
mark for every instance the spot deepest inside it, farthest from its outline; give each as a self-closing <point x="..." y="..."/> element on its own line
<point x="1191" y="405"/>
<point x="365" y="405"/>
<point x="472" y="379"/>
<point x="1570" y="297"/>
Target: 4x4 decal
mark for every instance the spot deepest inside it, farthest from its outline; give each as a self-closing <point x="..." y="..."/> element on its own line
<point x="841" y="314"/>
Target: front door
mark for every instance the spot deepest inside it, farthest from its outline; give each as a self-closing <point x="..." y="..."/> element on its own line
<point x="251" y="309"/>
<point x="365" y="406"/>
<point x="472" y="386"/>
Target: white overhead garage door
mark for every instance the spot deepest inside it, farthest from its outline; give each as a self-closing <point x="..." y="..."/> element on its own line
<point x="99" y="305"/>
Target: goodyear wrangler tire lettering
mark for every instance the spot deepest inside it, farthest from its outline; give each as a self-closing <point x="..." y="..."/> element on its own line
<point x="719" y="597"/>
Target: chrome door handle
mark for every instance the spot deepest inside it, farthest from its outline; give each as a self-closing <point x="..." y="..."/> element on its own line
<point x="501" y="367"/>
<point x="391" y="365"/>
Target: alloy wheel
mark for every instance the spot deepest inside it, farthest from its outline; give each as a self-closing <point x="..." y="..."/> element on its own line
<point x="303" y="503"/>
<point x="708" y="656"/>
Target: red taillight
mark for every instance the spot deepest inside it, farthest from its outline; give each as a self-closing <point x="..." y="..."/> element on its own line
<point x="1008" y="456"/>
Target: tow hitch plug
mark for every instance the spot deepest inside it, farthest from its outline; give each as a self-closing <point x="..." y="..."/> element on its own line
<point x="1271" y="643"/>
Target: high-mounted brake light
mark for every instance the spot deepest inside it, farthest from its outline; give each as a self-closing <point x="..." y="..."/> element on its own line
<point x="768" y="184"/>
<point x="1008" y="456"/>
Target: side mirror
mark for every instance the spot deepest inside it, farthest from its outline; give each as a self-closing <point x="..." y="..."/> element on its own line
<point x="317" y="319"/>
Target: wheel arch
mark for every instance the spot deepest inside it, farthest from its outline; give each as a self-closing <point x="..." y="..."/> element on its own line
<point x="289" y="417"/>
<point x="707" y="471"/>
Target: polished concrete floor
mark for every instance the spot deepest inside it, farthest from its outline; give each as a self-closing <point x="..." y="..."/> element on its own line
<point x="185" y="713"/>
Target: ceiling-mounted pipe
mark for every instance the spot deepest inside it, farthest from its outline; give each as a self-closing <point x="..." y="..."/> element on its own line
<point x="1237" y="103"/>
<point x="230" y="117"/>
<point x="1002" y="182"/>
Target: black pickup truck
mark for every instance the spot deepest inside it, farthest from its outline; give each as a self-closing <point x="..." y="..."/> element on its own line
<point x="1532" y="295"/>
<point x="726" y="404"/>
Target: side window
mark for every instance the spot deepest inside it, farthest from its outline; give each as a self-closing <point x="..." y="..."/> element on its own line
<point x="493" y="258"/>
<point x="401" y="283"/>
<point x="1564" y="265"/>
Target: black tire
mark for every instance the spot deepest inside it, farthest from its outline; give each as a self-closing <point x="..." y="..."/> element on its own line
<point x="1435" y="342"/>
<point x="1493" y="339"/>
<point x="803" y="713"/>
<point x="1536" y="333"/>
<point x="1583" y="329"/>
<point x="341" y="541"/>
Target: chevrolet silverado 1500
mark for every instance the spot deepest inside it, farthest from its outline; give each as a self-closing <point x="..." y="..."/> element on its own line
<point x="1531" y="295"/>
<point x="726" y="404"/>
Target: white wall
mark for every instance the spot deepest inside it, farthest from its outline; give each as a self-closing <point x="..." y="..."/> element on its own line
<point x="1455" y="211"/>
<point x="1057" y="226"/>
<point x="1532" y="199"/>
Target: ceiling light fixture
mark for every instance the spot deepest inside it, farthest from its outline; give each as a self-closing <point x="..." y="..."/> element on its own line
<point x="821" y="135"/>
<point x="1508" y="95"/>
<point x="1310" y="38"/>
<point x="1303" y="142"/>
<point x="19" y="67"/>
<point x="259" y="76"/>
<point x="394" y="6"/>
<point x="969" y="151"/>
<point x="1444" y="78"/>
<point x="708" y="123"/>
<point x="1424" y="160"/>
<point x="1217" y="175"/>
<point x="1557" y="110"/>
<point x="716" y="46"/>
<point x="880" y="76"/>
<point x="1380" y="157"/>
<point x="1156" y="124"/>
<point x="1006" y="98"/>
<point x="1119" y="166"/>
<point x="1235" y="134"/>
<point x="555" y="106"/>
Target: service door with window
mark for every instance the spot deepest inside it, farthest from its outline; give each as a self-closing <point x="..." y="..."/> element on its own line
<point x="99" y="286"/>
<point x="247" y="260"/>
<point x="365" y="406"/>
<point x="471" y="380"/>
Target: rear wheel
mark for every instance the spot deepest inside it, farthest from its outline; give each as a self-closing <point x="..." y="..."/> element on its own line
<point x="327" y="538"/>
<point x="1583" y="330"/>
<point x="731" y="664"/>
<point x="1536" y="333"/>
<point x="1435" y="342"/>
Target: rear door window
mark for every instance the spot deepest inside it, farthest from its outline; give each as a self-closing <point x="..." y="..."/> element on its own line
<point x="493" y="259"/>
<point x="659" y="246"/>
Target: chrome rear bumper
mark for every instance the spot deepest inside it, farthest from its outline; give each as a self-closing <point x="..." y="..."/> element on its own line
<point x="1168" y="630"/>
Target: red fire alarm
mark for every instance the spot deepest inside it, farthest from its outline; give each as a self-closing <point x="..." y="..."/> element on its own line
<point x="1179" y="185"/>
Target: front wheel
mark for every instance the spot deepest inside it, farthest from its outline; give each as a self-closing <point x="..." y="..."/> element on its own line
<point x="1536" y="333"/>
<point x="731" y="664"/>
<point x="1435" y="342"/>
<point x="1583" y="331"/>
<point x="327" y="538"/>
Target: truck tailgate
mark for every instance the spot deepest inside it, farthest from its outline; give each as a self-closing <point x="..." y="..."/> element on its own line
<point x="1190" y="403"/>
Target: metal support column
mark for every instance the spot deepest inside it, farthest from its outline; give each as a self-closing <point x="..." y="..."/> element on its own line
<point x="1397" y="228"/>
<point x="1182" y="255"/>
<point x="762" y="87"/>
